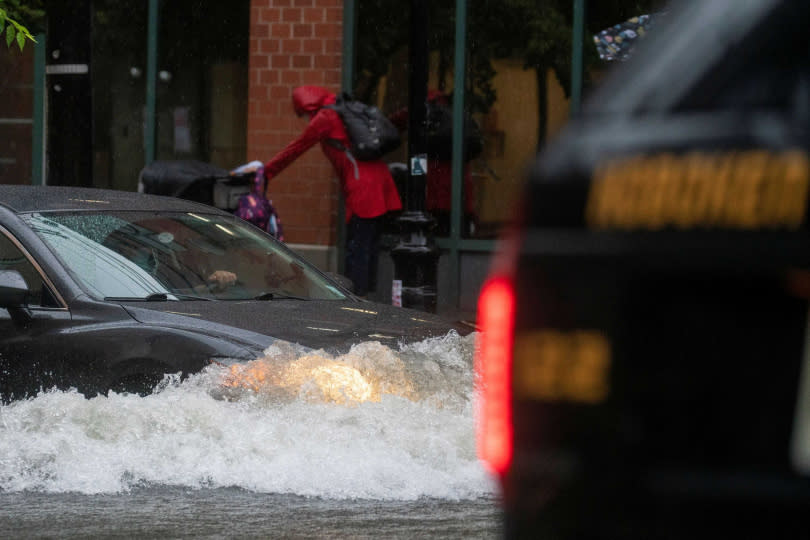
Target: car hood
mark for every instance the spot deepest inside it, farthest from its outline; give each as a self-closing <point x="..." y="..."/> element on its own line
<point x="333" y="325"/>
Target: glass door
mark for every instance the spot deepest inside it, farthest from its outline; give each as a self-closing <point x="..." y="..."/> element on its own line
<point x="200" y="88"/>
<point x="119" y="91"/>
<point x="202" y="82"/>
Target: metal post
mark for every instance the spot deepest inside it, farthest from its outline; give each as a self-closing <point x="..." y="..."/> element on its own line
<point x="577" y="56"/>
<point x="349" y="61"/>
<point x="457" y="191"/>
<point x="417" y="96"/>
<point x="150" y="122"/>
<point x="416" y="255"/>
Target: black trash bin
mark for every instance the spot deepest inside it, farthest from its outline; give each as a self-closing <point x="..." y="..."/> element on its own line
<point x="195" y="181"/>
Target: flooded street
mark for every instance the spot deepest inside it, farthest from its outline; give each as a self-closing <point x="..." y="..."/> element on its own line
<point x="378" y="442"/>
<point x="237" y="513"/>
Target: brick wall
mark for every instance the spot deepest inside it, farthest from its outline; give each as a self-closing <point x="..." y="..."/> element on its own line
<point x="293" y="43"/>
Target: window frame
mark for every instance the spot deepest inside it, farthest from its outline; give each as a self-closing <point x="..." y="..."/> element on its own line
<point x="46" y="281"/>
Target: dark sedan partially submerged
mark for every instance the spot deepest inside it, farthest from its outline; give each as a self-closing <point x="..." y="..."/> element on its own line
<point x="105" y="290"/>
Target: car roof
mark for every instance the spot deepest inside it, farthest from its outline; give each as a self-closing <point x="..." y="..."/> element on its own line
<point x="25" y="198"/>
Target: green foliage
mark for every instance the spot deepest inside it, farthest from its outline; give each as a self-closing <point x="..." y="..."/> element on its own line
<point x="539" y="32"/>
<point x="382" y="30"/>
<point x="12" y="11"/>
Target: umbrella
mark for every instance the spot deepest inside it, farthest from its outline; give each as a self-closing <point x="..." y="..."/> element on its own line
<point x="618" y="41"/>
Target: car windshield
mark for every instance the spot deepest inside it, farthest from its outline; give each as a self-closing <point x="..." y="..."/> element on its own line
<point x="143" y="255"/>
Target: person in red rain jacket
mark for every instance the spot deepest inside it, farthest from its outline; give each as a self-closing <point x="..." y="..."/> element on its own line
<point x="368" y="187"/>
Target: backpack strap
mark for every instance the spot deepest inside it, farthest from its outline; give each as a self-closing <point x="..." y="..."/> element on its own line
<point x="334" y="143"/>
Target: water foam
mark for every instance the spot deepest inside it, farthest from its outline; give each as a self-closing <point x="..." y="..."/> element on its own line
<point x="413" y="439"/>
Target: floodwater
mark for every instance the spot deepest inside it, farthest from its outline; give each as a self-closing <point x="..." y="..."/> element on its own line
<point x="375" y="443"/>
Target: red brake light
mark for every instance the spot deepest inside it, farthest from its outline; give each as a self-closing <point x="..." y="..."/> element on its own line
<point x="493" y="366"/>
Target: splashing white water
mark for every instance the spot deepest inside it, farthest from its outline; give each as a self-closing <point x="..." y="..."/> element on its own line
<point x="411" y="436"/>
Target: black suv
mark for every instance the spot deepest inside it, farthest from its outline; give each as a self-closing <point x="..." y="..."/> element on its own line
<point x="644" y="359"/>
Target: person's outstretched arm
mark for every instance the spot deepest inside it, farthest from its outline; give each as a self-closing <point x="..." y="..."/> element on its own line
<point x="316" y="130"/>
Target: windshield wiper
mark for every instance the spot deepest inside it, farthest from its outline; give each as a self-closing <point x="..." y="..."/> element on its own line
<point x="277" y="295"/>
<point x="154" y="297"/>
<point x="192" y="297"/>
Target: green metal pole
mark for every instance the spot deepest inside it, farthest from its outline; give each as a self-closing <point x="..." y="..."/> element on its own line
<point x="577" y="56"/>
<point x="38" y="132"/>
<point x="457" y="190"/>
<point x="149" y="143"/>
<point x="459" y="91"/>
<point x="347" y="85"/>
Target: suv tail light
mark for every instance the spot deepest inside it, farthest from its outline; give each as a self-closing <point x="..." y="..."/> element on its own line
<point x="493" y="366"/>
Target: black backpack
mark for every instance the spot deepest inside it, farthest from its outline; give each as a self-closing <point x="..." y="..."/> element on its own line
<point x="439" y="133"/>
<point x="371" y="133"/>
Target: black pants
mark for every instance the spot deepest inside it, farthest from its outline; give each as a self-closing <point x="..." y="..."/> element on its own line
<point x="362" y="249"/>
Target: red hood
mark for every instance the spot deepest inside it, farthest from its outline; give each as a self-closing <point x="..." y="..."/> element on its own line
<point x="308" y="99"/>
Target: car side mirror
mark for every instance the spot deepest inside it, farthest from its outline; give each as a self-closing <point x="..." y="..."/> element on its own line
<point x="342" y="280"/>
<point x="13" y="289"/>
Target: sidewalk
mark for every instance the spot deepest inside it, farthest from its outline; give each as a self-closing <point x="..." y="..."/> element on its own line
<point x="467" y="318"/>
